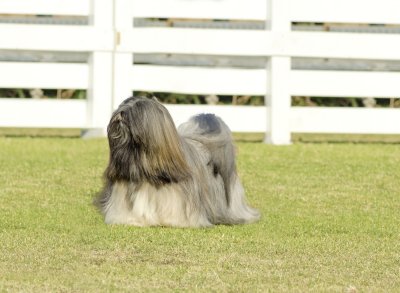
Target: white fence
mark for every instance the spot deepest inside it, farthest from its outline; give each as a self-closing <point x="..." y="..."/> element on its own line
<point x="110" y="75"/>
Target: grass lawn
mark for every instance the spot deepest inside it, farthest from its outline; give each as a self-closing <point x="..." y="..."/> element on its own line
<point x="330" y="222"/>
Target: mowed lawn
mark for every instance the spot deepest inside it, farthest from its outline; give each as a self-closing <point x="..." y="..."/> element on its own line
<point x="330" y="223"/>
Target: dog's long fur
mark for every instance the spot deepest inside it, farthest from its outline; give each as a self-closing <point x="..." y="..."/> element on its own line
<point x="160" y="176"/>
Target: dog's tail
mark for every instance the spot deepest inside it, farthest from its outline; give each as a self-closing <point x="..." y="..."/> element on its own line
<point x="215" y="135"/>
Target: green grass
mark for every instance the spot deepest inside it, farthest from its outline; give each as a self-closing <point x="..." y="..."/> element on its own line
<point x="330" y="223"/>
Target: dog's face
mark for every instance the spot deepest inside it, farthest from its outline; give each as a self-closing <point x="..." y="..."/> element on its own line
<point x="144" y="144"/>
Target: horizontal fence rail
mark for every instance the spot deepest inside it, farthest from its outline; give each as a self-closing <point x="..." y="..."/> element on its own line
<point x="344" y="120"/>
<point x="46" y="7"/>
<point x="110" y="37"/>
<point x="43" y="113"/>
<point x="323" y="83"/>
<point x="345" y="11"/>
<point x="206" y="9"/>
<point x="197" y="80"/>
<point x="44" y="75"/>
<point x="261" y="43"/>
<point x="231" y="115"/>
<point x="68" y="38"/>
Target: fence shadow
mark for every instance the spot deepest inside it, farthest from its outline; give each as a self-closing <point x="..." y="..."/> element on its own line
<point x="40" y="132"/>
<point x="324" y="138"/>
<point x="346" y="138"/>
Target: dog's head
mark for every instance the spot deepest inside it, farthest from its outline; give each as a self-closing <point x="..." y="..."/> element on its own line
<point x="144" y="144"/>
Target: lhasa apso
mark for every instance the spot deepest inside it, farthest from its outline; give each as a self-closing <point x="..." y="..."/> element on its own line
<point x="160" y="176"/>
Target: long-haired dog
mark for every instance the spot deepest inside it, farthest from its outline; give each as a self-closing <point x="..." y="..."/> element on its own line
<point x="160" y="176"/>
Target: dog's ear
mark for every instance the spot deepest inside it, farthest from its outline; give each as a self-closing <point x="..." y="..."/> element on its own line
<point x="119" y="140"/>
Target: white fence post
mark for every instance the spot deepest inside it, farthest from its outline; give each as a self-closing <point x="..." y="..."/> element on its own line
<point x="99" y="97"/>
<point x="123" y="61"/>
<point x="278" y="99"/>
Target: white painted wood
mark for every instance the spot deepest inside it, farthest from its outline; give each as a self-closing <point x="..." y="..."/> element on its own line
<point x="261" y="43"/>
<point x="345" y="120"/>
<point x="238" y="118"/>
<point x="205" y="9"/>
<point x="345" y="84"/>
<point x="43" y="75"/>
<point x="197" y="80"/>
<point x="43" y="113"/>
<point x="124" y="78"/>
<point x="100" y="94"/>
<point x="55" y="38"/>
<point x="277" y="91"/>
<point x="278" y="101"/>
<point x="354" y="11"/>
<point x="123" y="16"/>
<point x="278" y="15"/>
<point x="204" y="80"/>
<point x="196" y="41"/>
<point x="45" y="7"/>
<point x="58" y="113"/>
<point x="101" y="13"/>
<point x="123" y="61"/>
<point x="100" y="91"/>
<point x="338" y="45"/>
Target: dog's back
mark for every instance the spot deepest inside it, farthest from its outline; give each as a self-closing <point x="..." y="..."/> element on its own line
<point x="215" y="135"/>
